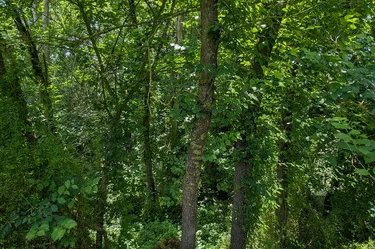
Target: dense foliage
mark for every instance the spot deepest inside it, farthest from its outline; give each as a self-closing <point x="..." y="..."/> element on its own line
<point x="102" y="105"/>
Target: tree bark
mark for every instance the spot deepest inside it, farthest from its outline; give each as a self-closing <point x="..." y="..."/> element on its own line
<point x="208" y="60"/>
<point x="266" y="41"/>
<point x="11" y="88"/>
<point x="145" y="76"/>
<point x="39" y="67"/>
<point x="147" y="150"/>
<point x="282" y="173"/>
<point x="239" y="230"/>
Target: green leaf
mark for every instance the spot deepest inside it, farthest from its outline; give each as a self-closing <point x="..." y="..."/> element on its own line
<point x="364" y="150"/>
<point x="69" y="224"/>
<point x="54" y="208"/>
<point x="71" y="204"/>
<point x="41" y="233"/>
<point x="344" y="146"/>
<point x="61" y="200"/>
<point x="58" y="233"/>
<point x="61" y="190"/>
<point x="354" y="132"/>
<point x="343" y="136"/>
<point x="74" y="186"/>
<point x="67" y="183"/>
<point x="370" y="158"/>
<point x="341" y="126"/>
<point x="44" y="227"/>
<point x="363" y="172"/>
<point x="31" y="234"/>
<point x="87" y="189"/>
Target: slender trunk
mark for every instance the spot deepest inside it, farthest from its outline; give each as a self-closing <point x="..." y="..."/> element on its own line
<point x="102" y="205"/>
<point x="40" y="71"/>
<point x="45" y="18"/>
<point x="282" y="174"/>
<point x="208" y="54"/>
<point x="12" y="88"/>
<point x="239" y="230"/>
<point x="147" y="151"/>
<point x="146" y="79"/>
<point x="106" y="164"/>
<point x="179" y="29"/>
<point x="266" y="41"/>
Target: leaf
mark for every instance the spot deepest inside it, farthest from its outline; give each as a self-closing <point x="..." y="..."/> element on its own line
<point x="87" y="189"/>
<point x="41" y="233"/>
<point x="58" y="233"/>
<point x="61" y="200"/>
<point x="67" y="183"/>
<point x="355" y="132"/>
<point x="363" y="172"/>
<point x="44" y="227"/>
<point x="74" y="186"/>
<point x="61" y="190"/>
<point x="69" y="224"/>
<point x="370" y="158"/>
<point x="278" y="75"/>
<point x="341" y="126"/>
<point x="343" y="136"/>
<point x="31" y="234"/>
<point x="333" y="160"/>
<point x="54" y="208"/>
<point x="364" y="150"/>
<point x="344" y="146"/>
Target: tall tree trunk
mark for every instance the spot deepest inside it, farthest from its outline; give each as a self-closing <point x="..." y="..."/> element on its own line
<point x="106" y="164"/>
<point x="208" y="59"/>
<point x="266" y="41"/>
<point x="179" y="29"/>
<point x="102" y="205"/>
<point x="39" y="67"/>
<point x="282" y="173"/>
<point x="147" y="150"/>
<point x="239" y="230"/>
<point x="11" y="87"/>
<point x="145" y="76"/>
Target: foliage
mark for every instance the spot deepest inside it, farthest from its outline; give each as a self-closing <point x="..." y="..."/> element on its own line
<point x="122" y="83"/>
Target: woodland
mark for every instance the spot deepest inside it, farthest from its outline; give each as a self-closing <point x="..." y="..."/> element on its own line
<point x="211" y="124"/>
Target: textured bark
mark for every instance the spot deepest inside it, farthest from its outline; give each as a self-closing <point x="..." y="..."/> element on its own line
<point x="39" y="67"/>
<point x="12" y="88"/>
<point x="239" y="231"/>
<point x="282" y="211"/>
<point x="282" y="173"/>
<point x="266" y="42"/>
<point x="208" y="55"/>
<point x="179" y="29"/>
<point x="147" y="151"/>
<point x="102" y="205"/>
<point x="114" y="120"/>
<point x="145" y="77"/>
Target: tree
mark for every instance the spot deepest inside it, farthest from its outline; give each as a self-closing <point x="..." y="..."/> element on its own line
<point x="208" y="62"/>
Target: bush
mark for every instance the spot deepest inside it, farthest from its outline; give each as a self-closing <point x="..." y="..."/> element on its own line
<point x="158" y="235"/>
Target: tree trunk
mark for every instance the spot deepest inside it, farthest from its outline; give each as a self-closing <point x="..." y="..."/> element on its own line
<point x="239" y="231"/>
<point x="11" y="88"/>
<point x="266" y="41"/>
<point x="39" y="67"/>
<point x="209" y="48"/>
<point x="147" y="150"/>
<point x="179" y="29"/>
<point x="282" y="173"/>
<point x="145" y="76"/>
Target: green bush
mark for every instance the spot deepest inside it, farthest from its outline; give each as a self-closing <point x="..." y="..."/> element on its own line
<point x="158" y="235"/>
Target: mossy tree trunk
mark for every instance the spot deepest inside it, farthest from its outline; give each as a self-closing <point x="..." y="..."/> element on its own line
<point x="208" y="60"/>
